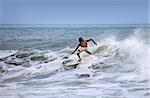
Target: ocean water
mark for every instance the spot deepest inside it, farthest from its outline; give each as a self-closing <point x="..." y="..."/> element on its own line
<point x="32" y="56"/>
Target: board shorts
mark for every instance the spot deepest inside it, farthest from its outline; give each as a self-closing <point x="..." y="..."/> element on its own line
<point x="82" y="49"/>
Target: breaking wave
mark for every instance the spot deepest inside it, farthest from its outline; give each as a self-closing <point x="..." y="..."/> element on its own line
<point x="125" y="62"/>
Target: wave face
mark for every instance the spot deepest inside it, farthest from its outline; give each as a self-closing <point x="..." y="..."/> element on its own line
<point x="31" y="62"/>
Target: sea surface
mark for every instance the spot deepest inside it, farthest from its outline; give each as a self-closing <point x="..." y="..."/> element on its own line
<point x="32" y="57"/>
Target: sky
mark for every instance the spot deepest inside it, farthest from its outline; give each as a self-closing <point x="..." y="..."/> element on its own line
<point x="74" y="11"/>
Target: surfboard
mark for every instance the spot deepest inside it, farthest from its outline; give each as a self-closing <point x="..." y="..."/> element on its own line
<point x="71" y="64"/>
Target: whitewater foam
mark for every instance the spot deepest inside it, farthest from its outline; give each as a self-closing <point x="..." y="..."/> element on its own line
<point x="117" y="68"/>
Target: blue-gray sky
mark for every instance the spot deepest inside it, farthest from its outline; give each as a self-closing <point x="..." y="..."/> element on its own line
<point x="74" y="11"/>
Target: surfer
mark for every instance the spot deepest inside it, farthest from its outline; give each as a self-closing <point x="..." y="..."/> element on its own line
<point x="83" y="44"/>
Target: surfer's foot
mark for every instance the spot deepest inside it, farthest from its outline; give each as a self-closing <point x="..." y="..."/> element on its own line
<point x="79" y="60"/>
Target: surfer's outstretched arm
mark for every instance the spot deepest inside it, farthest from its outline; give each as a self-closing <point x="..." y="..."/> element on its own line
<point x="92" y="41"/>
<point x="76" y="49"/>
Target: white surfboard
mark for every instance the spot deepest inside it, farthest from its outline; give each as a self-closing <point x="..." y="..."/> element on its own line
<point x="71" y="64"/>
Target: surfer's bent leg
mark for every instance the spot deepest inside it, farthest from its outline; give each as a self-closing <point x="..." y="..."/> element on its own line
<point x="88" y="52"/>
<point x="78" y="54"/>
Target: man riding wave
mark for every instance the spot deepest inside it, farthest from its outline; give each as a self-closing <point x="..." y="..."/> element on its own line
<point x="83" y="44"/>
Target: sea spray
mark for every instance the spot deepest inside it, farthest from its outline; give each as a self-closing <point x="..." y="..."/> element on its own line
<point x="119" y="66"/>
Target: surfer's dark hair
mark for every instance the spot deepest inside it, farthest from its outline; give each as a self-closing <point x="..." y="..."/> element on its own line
<point x="80" y="39"/>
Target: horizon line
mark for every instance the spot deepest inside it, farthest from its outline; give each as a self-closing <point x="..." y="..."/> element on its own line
<point x="68" y="25"/>
<point x="84" y="24"/>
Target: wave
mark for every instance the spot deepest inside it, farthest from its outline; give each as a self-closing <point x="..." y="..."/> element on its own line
<point x="131" y="55"/>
